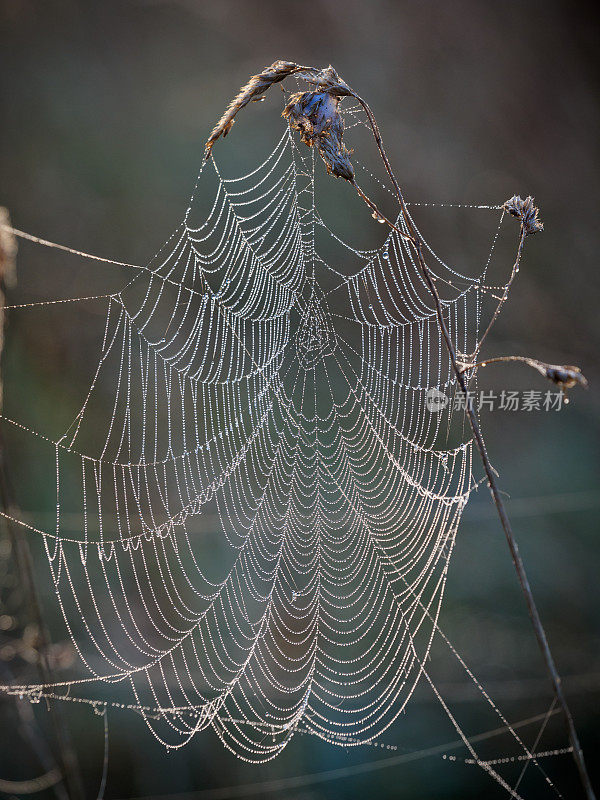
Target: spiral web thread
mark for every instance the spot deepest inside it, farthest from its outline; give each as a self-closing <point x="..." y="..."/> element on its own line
<point x="258" y="391"/>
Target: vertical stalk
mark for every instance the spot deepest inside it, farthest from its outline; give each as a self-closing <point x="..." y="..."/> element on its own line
<point x="540" y="633"/>
<point x="66" y="758"/>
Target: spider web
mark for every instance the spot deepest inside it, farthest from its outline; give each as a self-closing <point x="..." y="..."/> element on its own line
<point x="264" y="505"/>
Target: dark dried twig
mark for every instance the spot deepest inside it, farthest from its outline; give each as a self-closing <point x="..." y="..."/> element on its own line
<point x="563" y="376"/>
<point x="529" y="224"/>
<point x="329" y="82"/>
<point x="528" y="215"/>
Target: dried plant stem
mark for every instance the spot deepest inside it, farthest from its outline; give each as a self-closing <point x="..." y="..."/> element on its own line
<point x="564" y="376"/>
<point x="378" y="213"/>
<point x="67" y="762"/>
<point x="468" y="365"/>
<point x="315" y="127"/>
<point x="504" y="297"/>
<point x="489" y="471"/>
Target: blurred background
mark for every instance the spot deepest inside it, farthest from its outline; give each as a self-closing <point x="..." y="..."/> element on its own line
<point x="105" y="109"/>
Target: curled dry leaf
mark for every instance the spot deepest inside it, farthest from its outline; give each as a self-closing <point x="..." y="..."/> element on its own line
<point x="565" y="377"/>
<point x="316" y="117"/>
<point x="526" y="212"/>
<point x="309" y="110"/>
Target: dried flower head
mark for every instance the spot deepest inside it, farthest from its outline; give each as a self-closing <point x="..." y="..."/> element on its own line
<point x="317" y="118"/>
<point x="526" y="212"/>
<point x="565" y="377"/>
<point x="325" y="79"/>
<point x="257" y="85"/>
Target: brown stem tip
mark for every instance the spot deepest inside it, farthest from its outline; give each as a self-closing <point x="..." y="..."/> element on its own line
<point x="525" y="212"/>
<point x="563" y="376"/>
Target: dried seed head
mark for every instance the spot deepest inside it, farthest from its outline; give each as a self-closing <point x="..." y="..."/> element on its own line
<point x="565" y="377"/>
<point x="526" y="212"/>
<point x="316" y="117"/>
<point x="257" y="84"/>
<point x="327" y="80"/>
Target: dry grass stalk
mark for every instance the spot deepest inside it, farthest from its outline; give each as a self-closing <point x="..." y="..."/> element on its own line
<point x="256" y="86"/>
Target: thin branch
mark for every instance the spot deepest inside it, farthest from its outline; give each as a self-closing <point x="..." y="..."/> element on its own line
<point x="504" y="297"/>
<point x="490" y="475"/>
<point x="564" y="376"/>
<point x="378" y="215"/>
